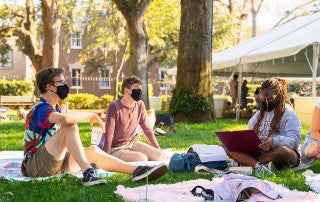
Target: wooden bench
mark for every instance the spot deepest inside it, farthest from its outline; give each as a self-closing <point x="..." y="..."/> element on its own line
<point x="16" y="100"/>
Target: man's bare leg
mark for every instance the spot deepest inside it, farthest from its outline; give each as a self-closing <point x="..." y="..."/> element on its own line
<point x="108" y="162"/>
<point x="67" y="139"/>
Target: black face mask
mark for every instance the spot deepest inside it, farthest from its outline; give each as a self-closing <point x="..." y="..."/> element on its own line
<point x="62" y="91"/>
<point x="268" y="106"/>
<point x="136" y="94"/>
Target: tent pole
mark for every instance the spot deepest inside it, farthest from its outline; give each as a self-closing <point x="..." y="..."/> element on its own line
<point x="240" y="66"/>
<point x="314" y="68"/>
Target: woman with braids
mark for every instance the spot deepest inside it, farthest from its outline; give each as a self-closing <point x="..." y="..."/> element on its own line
<point x="278" y="127"/>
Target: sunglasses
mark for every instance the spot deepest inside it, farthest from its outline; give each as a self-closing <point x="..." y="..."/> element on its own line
<point x="199" y="191"/>
<point x="60" y="81"/>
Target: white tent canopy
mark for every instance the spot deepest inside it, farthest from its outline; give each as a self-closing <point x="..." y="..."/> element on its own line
<point x="290" y="50"/>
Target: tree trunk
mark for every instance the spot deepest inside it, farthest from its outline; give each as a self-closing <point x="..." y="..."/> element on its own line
<point x="119" y="69"/>
<point x="52" y="28"/>
<point x="195" y="49"/>
<point x="138" y="53"/>
<point x="133" y="13"/>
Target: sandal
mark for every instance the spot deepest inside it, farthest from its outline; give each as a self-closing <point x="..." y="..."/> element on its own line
<point x="207" y="194"/>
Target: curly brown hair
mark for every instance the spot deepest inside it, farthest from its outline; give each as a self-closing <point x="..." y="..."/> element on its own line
<point x="277" y="86"/>
<point x="45" y="76"/>
<point x="129" y="81"/>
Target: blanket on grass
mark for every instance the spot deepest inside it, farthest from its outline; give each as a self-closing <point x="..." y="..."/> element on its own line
<point x="312" y="180"/>
<point x="10" y="170"/>
<point x="10" y="162"/>
<point x="181" y="192"/>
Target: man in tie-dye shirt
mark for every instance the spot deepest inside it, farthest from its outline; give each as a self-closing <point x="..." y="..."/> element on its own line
<point x="52" y="140"/>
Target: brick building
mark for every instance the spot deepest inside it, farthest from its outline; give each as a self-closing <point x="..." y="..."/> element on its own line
<point x="78" y="76"/>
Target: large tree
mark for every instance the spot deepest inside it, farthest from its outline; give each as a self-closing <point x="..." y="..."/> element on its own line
<point x="24" y="27"/>
<point x="134" y="11"/>
<point x="192" y="99"/>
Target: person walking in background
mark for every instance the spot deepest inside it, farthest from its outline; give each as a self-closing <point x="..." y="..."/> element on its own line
<point x="244" y="94"/>
<point x="278" y="127"/>
<point x="123" y="117"/>
<point x="52" y="143"/>
<point x="233" y="84"/>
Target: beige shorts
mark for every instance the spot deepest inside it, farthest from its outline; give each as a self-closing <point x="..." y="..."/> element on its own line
<point x="133" y="145"/>
<point x="42" y="164"/>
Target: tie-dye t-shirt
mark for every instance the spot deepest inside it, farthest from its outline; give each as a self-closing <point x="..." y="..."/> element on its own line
<point x="38" y="129"/>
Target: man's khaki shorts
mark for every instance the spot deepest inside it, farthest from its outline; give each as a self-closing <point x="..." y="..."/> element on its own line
<point x="133" y="145"/>
<point x="42" y="164"/>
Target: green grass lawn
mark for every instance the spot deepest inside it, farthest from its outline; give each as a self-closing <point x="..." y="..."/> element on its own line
<point x="70" y="188"/>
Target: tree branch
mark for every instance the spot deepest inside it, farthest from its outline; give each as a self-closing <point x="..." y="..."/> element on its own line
<point x="288" y="13"/>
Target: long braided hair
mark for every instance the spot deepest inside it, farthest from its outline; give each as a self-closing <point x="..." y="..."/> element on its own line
<point x="277" y="86"/>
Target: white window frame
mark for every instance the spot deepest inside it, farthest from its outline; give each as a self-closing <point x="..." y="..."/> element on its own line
<point x="162" y="71"/>
<point x="76" y="40"/>
<point x="9" y="63"/>
<point x="80" y="69"/>
<point x="105" y="80"/>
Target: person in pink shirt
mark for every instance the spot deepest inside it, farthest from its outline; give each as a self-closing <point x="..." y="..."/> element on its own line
<point x="52" y="143"/>
<point x="123" y="117"/>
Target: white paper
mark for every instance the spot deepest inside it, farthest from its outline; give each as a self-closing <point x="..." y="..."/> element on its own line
<point x="208" y="153"/>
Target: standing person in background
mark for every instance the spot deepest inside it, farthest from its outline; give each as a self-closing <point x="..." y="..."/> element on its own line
<point x="123" y="117"/>
<point x="244" y="94"/>
<point x="278" y="127"/>
<point x="233" y="84"/>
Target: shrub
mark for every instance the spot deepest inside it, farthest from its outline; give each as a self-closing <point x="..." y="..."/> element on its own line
<point x="16" y="87"/>
<point x="188" y="101"/>
<point x="165" y="99"/>
<point x="106" y="99"/>
<point x="81" y="101"/>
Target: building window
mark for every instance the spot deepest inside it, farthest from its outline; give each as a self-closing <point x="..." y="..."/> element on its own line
<point x="76" y="76"/>
<point x="105" y="75"/>
<point x="6" y="60"/>
<point x="76" y="40"/>
<point x="162" y="78"/>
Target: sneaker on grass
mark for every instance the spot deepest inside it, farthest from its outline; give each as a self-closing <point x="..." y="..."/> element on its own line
<point x="305" y="163"/>
<point x="262" y="171"/>
<point x="91" y="177"/>
<point x="153" y="172"/>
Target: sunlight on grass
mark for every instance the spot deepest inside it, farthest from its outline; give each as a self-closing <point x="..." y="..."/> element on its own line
<point x="70" y="189"/>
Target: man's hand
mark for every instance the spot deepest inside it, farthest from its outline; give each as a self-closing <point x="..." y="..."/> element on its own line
<point x="96" y="119"/>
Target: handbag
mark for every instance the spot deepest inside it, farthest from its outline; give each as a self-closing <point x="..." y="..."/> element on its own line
<point x="188" y="162"/>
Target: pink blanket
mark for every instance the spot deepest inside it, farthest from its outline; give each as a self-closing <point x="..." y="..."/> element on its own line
<point x="10" y="170"/>
<point x="181" y="192"/>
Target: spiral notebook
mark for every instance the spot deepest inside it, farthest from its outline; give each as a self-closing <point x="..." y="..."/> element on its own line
<point x="240" y="140"/>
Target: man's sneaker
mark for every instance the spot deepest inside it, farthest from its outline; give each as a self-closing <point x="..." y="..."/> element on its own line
<point x="153" y="172"/>
<point x="271" y="165"/>
<point x="91" y="177"/>
<point x="159" y="131"/>
<point x="262" y="171"/>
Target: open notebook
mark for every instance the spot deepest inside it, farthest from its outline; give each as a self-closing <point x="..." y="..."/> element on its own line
<point x="208" y="153"/>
